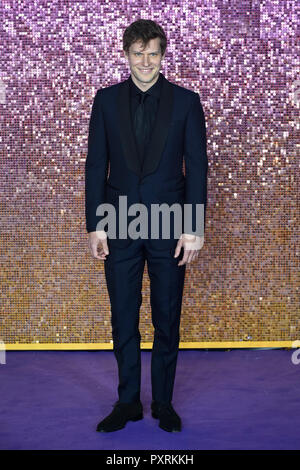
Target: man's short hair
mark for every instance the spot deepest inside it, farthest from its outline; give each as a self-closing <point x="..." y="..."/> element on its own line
<point x="144" y="30"/>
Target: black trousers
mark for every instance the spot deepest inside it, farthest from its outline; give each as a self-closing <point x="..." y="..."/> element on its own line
<point x="124" y="269"/>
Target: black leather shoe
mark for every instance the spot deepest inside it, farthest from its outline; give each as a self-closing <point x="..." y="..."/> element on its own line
<point x="121" y="413"/>
<point x="168" y="418"/>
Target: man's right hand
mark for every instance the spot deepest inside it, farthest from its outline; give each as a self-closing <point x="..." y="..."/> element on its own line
<point x="96" y="238"/>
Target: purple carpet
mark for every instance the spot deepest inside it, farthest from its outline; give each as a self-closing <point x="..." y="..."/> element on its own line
<point x="237" y="399"/>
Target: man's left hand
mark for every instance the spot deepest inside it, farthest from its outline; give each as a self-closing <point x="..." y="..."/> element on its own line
<point x="191" y="244"/>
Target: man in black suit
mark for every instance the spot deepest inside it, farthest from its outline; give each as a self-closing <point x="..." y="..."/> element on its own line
<point x="140" y="130"/>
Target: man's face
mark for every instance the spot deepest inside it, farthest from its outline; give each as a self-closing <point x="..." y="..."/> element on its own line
<point x="145" y="63"/>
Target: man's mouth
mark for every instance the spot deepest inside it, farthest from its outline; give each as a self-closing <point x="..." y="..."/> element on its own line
<point x="145" y="70"/>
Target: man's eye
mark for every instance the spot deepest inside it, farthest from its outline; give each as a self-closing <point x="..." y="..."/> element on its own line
<point x="152" y="53"/>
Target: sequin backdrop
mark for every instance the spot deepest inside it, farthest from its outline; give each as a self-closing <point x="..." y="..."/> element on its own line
<point x="242" y="58"/>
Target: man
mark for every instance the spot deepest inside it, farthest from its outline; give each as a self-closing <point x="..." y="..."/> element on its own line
<point x="139" y="131"/>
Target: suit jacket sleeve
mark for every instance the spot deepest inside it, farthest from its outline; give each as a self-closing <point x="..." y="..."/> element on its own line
<point x="196" y="164"/>
<point x="96" y="165"/>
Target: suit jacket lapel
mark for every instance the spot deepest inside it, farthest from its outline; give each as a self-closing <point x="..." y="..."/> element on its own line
<point x="159" y="134"/>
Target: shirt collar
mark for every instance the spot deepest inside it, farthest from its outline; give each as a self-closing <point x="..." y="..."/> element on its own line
<point x="154" y="90"/>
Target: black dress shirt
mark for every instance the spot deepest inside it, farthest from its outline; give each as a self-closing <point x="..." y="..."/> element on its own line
<point x="151" y="105"/>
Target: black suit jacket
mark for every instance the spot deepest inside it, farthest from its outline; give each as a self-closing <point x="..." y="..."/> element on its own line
<point x="113" y="167"/>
